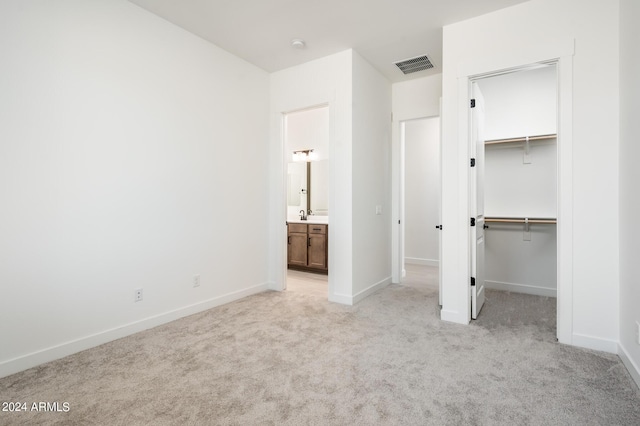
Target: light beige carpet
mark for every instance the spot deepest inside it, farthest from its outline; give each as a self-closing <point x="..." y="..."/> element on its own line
<point x="290" y="358"/>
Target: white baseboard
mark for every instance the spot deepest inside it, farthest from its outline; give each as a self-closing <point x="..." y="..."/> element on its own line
<point x="419" y="261"/>
<point x="595" y="343"/>
<point x="521" y="288"/>
<point x="346" y="299"/>
<point x="633" y="369"/>
<point x="343" y="299"/>
<point x="371" y="289"/>
<point x="453" y="316"/>
<point x="33" y="359"/>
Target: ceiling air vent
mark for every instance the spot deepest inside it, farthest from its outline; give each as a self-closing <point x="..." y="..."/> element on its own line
<point x="419" y="63"/>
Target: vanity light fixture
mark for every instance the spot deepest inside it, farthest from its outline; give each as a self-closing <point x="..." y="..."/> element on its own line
<point x="305" y="155"/>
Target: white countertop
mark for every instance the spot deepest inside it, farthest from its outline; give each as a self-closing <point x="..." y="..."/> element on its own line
<point x="310" y="219"/>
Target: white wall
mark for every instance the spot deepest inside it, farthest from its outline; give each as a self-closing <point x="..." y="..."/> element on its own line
<point x="518" y="263"/>
<point x="422" y="189"/>
<point x="512" y="37"/>
<point x="124" y="166"/>
<point x="629" y="178"/>
<point x="515" y="189"/>
<point x="371" y="159"/>
<point x="412" y="99"/>
<point x="417" y="98"/>
<point x="522" y="103"/>
<point x="326" y="81"/>
<point x="308" y="129"/>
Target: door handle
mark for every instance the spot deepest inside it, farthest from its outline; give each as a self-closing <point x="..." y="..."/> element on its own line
<point x="439" y="227"/>
<point x="289" y="240"/>
<point x="309" y="242"/>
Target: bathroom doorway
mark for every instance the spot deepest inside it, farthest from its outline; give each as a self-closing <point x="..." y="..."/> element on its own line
<point x="306" y="147"/>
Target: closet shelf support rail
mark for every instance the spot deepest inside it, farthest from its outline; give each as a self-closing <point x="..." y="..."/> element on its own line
<point x="522" y="139"/>
<point x="526" y="220"/>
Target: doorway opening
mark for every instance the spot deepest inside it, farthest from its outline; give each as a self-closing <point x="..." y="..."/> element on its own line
<point x="420" y="185"/>
<point x="306" y="148"/>
<point x="514" y="189"/>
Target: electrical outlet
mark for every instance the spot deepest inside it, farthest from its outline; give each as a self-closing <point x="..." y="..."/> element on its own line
<point x="196" y="280"/>
<point x="138" y="295"/>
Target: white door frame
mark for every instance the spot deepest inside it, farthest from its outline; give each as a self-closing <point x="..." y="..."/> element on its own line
<point x="476" y="201"/>
<point x="282" y="267"/>
<point x="397" y="197"/>
<point x="564" y="173"/>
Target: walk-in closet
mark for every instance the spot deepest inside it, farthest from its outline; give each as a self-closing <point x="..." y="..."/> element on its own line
<point x="520" y="180"/>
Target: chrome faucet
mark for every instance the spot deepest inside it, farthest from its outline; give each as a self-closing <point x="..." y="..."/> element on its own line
<point x="303" y="215"/>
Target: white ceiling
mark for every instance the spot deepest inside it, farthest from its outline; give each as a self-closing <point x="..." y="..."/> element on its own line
<point x="382" y="31"/>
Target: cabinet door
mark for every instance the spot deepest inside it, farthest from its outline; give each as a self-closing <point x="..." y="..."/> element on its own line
<point x="317" y="251"/>
<point x="297" y="249"/>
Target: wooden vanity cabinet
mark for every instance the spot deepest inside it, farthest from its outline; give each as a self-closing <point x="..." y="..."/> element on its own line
<point x="307" y="246"/>
<point x="317" y="250"/>
<point x="297" y="245"/>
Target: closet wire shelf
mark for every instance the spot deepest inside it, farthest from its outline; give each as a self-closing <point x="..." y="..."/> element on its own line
<point x="521" y="139"/>
<point x="524" y="220"/>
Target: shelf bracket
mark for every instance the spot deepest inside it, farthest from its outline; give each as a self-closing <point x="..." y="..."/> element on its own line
<point x="526" y="159"/>
<point x="526" y="236"/>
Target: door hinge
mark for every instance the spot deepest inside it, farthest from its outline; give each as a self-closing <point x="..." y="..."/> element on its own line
<point x="398" y="221"/>
<point x="473" y="282"/>
<point x="439" y="227"/>
<point x="473" y="162"/>
<point x="473" y="221"/>
<point x="473" y="103"/>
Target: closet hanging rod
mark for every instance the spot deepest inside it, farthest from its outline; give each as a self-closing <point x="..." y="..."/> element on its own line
<point x="520" y="220"/>
<point x="522" y="139"/>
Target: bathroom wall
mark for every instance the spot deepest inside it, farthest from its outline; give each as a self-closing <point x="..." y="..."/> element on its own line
<point x="309" y="129"/>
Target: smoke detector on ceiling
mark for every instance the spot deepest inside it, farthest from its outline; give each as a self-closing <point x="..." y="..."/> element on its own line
<point x="411" y="65"/>
<point x="298" y="43"/>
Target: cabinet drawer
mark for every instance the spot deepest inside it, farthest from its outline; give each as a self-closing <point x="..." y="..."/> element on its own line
<point x="317" y="229"/>
<point x="298" y="227"/>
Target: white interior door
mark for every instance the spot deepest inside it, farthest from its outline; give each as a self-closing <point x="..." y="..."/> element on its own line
<point x="477" y="201"/>
<point x="440" y="206"/>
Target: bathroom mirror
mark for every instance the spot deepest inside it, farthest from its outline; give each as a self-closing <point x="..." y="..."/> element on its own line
<point x="307" y="185"/>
